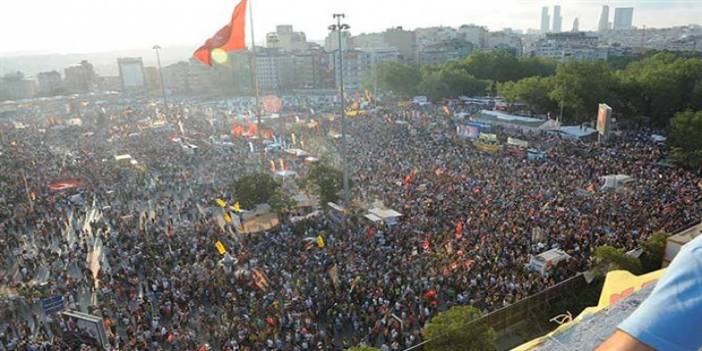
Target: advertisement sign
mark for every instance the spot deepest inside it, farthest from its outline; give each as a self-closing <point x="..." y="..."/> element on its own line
<point x="604" y="116"/>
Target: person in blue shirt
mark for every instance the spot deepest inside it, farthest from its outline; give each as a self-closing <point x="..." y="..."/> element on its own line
<point x="670" y="319"/>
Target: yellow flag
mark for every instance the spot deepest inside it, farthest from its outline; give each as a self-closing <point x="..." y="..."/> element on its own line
<point x="236" y="208"/>
<point x="221" y="203"/>
<point x="227" y="218"/>
<point x="293" y="138"/>
<point x="220" y="247"/>
<point x="320" y="241"/>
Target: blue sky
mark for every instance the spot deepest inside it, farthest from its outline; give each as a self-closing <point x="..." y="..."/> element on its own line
<point x="70" y="26"/>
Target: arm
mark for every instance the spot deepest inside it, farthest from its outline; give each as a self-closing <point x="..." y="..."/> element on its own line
<point x="621" y="341"/>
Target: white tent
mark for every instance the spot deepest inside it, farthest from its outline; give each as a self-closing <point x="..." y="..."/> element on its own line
<point x="615" y="181"/>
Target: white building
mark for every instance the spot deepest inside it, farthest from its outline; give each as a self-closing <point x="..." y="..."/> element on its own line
<point x="476" y="35"/>
<point x="569" y="46"/>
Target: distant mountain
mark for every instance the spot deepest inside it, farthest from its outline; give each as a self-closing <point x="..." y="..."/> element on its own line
<point x="105" y="62"/>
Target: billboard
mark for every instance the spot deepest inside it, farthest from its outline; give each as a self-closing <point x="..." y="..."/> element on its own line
<point x="604" y="116"/>
<point x="467" y="132"/>
<point x="83" y="328"/>
<point x="131" y="72"/>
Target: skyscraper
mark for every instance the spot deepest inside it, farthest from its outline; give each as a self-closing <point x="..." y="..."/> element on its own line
<point x="557" y="19"/>
<point x="604" y="19"/>
<point x="545" y="20"/>
<point x="576" y="25"/>
<point x="623" y="17"/>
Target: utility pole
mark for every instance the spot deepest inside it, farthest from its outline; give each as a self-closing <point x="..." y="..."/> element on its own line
<point x="160" y="75"/>
<point x="339" y="28"/>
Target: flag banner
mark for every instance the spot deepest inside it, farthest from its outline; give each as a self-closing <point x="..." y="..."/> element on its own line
<point x="259" y="279"/>
<point x="221" y="203"/>
<point x="237" y="207"/>
<point x="65" y="184"/>
<point x="228" y="38"/>
<point x="320" y="241"/>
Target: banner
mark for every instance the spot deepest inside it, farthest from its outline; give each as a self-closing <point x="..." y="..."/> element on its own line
<point x="488" y="137"/>
<point x="518" y="142"/>
<point x="320" y="241"/>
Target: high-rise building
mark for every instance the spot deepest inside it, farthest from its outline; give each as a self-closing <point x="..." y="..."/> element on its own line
<point x="331" y="42"/>
<point x="604" y="19"/>
<point x="557" y="19"/>
<point x="476" y="35"/>
<point x="286" y="39"/>
<point x="49" y="82"/>
<point x="405" y="41"/>
<point x="14" y="86"/>
<point x="623" y="17"/>
<point x="80" y="78"/>
<point x="545" y="20"/>
<point x="576" y="25"/>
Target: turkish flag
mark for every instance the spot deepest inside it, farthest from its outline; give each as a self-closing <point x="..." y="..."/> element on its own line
<point x="229" y="38"/>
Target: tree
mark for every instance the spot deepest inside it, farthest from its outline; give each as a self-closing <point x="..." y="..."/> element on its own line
<point x="609" y="258"/>
<point x="326" y="182"/>
<point x="457" y="329"/>
<point x="362" y="348"/>
<point x="399" y="78"/>
<point x="254" y="189"/>
<point x="686" y="139"/>
<point x="662" y="85"/>
<point x="580" y="86"/>
<point x="503" y="66"/>
<point x="653" y="250"/>
<point x="450" y="80"/>
<point x="533" y="91"/>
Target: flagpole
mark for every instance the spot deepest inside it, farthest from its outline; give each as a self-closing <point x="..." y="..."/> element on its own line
<point x="254" y="77"/>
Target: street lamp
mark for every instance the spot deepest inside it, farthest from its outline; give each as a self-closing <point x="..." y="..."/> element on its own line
<point x="339" y="28"/>
<point x="160" y="75"/>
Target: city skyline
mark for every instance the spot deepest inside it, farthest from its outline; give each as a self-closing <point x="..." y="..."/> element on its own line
<point x="132" y="24"/>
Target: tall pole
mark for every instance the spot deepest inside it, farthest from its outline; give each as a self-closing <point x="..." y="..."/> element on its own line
<point x="339" y="28"/>
<point x="254" y="76"/>
<point x="160" y="75"/>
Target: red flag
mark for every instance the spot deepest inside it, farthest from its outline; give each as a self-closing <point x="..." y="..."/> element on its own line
<point x="229" y="38"/>
<point x="459" y="230"/>
<point x="253" y="129"/>
<point x="237" y="130"/>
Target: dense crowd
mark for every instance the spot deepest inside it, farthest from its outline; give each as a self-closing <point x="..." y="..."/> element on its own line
<point x="134" y="243"/>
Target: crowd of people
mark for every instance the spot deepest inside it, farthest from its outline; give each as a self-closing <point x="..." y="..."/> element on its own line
<point x="134" y="242"/>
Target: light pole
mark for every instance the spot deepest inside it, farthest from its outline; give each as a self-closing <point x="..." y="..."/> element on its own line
<point x="339" y="28"/>
<point x="160" y="75"/>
